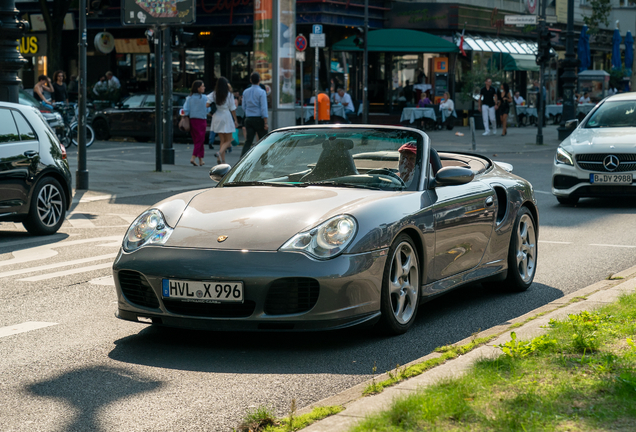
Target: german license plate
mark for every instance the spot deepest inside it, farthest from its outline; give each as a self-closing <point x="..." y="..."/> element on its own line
<point x="611" y="178"/>
<point x="204" y="292"/>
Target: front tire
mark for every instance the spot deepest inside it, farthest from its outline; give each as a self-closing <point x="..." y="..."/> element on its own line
<point x="48" y="208"/>
<point x="400" y="287"/>
<point x="90" y="134"/>
<point x="522" y="253"/>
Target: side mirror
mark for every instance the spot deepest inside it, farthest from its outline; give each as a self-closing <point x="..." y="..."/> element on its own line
<point x="452" y="175"/>
<point x="217" y="172"/>
<point x="572" y="124"/>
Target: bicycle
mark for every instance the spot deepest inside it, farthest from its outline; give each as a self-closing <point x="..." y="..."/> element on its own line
<point x="69" y="134"/>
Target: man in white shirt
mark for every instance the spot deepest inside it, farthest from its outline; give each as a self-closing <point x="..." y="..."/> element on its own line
<point x="113" y="82"/>
<point x="344" y="99"/>
<point x="585" y="98"/>
<point x="518" y="98"/>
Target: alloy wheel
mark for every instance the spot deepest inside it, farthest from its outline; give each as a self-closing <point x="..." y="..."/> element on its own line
<point x="403" y="283"/>
<point x="50" y="205"/>
<point x="526" y="248"/>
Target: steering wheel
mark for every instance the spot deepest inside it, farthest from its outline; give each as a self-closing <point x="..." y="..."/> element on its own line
<point x="388" y="172"/>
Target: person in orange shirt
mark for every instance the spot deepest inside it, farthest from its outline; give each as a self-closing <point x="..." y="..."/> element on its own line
<point x="322" y="108"/>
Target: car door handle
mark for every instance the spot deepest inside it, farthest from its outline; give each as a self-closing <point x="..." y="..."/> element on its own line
<point x="489" y="201"/>
<point x="30" y="153"/>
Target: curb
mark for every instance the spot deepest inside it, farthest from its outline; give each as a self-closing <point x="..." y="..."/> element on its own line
<point x="527" y="326"/>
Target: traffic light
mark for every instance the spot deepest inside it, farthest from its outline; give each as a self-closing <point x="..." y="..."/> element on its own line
<point x="359" y="39"/>
<point x="180" y="37"/>
<point x="544" y="51"/>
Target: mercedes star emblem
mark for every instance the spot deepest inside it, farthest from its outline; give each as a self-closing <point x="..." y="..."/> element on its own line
<point x="221" y="239"/>
<point x="611" y="162"/>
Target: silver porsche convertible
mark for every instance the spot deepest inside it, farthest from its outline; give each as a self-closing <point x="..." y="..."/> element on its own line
<point x="328" y="227"/>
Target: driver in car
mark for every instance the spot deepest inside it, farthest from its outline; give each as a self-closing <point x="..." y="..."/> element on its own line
<point x="406" y="164"/>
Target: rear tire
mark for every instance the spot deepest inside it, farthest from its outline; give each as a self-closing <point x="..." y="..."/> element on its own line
<point x="90" y="134"/>
<point x="568" y="200"/>
<point x="48" y="208"/>
<point x="522" y="253"/>
<point x="400" y="295"/>
<point x="101" y="130"/>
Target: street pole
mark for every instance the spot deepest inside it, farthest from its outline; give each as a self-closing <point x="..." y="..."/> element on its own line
<point x="81" y="175"/>
<point x="365" y="65"/>
<point x="167" y="155"/>
<point x="158" y="116"/>
<point x="11" y="61"/>
<point x="569" y="76"/>
<point x="541" y="106"/>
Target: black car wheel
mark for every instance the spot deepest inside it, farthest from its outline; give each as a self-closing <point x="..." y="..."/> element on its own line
<point x="522" y="253"/>
<point x="101" y="130"/>
<point x="48" y="208"/>
<point x="568" y="200"/>
<point x="400" y="287"/>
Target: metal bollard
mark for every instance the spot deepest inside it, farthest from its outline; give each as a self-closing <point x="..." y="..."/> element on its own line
<point x="472" y="132"/>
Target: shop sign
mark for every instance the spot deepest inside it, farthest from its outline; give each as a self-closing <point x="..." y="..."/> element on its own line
<point x="32" y="45"/>
<point x="151" y="12"/>
<point x="263" y="39"/>
<point x="440" y="64"/>
<point x="104" y="42"/>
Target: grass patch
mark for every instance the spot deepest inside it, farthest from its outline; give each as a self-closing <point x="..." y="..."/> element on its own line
<point x="400" y="374"/>
<point x="262" y="419"/>
<point x="580" y="376"/>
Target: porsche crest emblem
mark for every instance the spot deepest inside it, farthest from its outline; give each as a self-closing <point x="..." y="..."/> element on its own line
<point x="221" y="239"/>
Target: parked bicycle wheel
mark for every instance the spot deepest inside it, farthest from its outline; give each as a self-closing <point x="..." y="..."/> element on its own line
<point x="90" y="134"/>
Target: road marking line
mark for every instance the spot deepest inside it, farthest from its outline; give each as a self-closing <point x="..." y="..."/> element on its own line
<point x="128" y="218"/>
<point x="67" y="272"/>
<point x="543" y="192"/>
<point x="60" y="244"/>
<point x="57" y="265"/>
<point x="80" y="220"/>
<point x="24" y="327"/>
<point x="554" y="242"/>
<point x="112" y="149"/>
<point x="26" y="255"/>
<point x="609" y="245"/>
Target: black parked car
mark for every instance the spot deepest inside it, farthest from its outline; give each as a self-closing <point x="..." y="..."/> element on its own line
<point x="35" y="179"/>
<point x="135" y="117"/>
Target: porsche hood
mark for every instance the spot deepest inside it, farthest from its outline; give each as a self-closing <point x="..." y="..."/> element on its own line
<point x="261" y="218"/>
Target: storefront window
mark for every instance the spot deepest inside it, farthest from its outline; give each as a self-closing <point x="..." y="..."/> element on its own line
<point x="141" y="66"/>
<point x="217" y="64"/>
<point x="239" y="71"/>
<point x="404" y="69"/>
<point x="195" y="63"/>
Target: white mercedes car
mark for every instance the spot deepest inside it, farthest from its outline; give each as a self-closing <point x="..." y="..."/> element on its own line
<point x="599" y="158"/>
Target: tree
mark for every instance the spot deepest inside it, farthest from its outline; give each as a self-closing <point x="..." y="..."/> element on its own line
<point x="54" y="20"/>
<point x="600" y="15"/>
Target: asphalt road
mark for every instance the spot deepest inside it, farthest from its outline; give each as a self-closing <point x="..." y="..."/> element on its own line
<point x="76" y="367"/>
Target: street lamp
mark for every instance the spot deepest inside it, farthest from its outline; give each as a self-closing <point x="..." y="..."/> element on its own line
<point x="569" y="75"/>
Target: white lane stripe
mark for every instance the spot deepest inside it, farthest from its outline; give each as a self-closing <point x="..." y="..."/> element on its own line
<point x="60" y="244"/>
<point x="554" y="242"/>
<point x="80" y="220"/>
<point x="57" y="265"/>
<point x="145" y="192"/>
<point x="543" y="192"/>
<point x="91" y="151"/>
<point x="67" y="272"/>
<point x="24" y="327"/>
<point x="616" y="246"/>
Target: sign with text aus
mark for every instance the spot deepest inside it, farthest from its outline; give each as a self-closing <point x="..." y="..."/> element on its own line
<point x="158" y="12"/>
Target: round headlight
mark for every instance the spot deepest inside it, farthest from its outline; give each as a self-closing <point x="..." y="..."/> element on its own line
<point x="149" y="228"/>
<point x="327" y="240"/>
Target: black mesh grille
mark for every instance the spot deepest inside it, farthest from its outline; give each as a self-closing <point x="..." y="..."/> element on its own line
<point x="566" y="182"/>
<point x="605" y="191"/>
<point x="137" y="289"/>
<point x="225" y="310"/>
<point x="594" y="162"/>
<point x="291" y="295"/>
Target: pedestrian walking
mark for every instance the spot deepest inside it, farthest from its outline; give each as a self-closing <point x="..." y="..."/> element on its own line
<point x="224" y="121"/>
<point x="505" y="99"/>
<point x="60" y="92"/>
<point x="487" y="103"/>
<point x="196" y="108"/>
<point x="255" y="107"/>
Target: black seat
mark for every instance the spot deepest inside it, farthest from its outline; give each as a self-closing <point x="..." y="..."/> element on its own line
<point x="436" y="162"/>
<point x="334" y="161"/>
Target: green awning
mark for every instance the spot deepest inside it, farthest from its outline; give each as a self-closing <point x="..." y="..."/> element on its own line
<point x="519" y="62"/>
<point x="399" y="40"/>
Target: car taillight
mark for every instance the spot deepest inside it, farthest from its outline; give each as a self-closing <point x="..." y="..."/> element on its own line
<point x="63" y="151"/>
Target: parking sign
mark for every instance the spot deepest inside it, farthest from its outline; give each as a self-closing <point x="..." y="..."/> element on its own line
<point x="317" y="29"/>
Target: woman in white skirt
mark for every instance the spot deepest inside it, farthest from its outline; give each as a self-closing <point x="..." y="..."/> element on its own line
<point x="224" y="121"/>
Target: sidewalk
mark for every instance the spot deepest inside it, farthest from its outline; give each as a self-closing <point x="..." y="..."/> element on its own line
<point x="357" y="407"/>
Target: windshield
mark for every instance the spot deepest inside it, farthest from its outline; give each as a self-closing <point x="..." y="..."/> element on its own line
<point x="613" y="114"/>
<point x="359" y="158"/>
